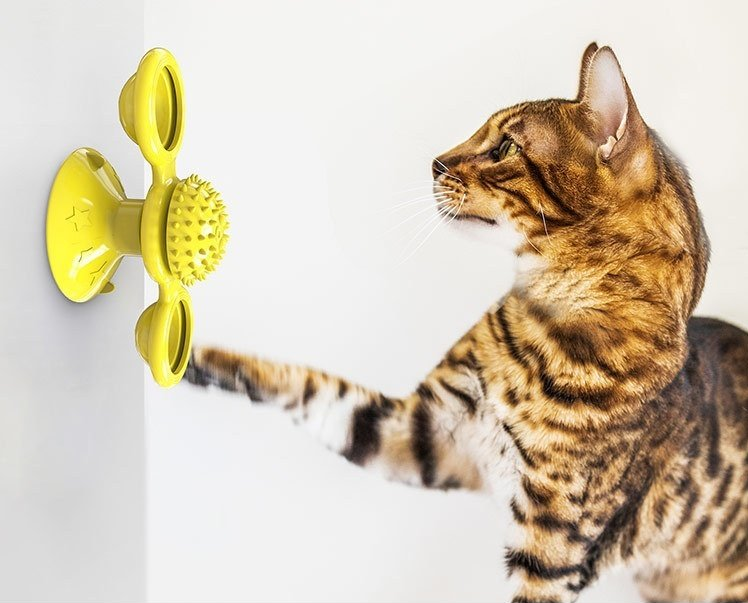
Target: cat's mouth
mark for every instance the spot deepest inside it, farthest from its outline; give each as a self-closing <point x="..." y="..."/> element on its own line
<point x="477" y="219"/>
<point x="462" y="212"/>
<point x="454" y="202"/>
<point x="450" y="196"/>
<point x="454" y="205"/>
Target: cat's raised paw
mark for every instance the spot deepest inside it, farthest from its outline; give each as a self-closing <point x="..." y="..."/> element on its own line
<point x="195" y="373"/>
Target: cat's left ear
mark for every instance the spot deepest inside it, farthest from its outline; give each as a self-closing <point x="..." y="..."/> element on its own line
<point x="606" y="95"/>
<point x="589" y="52"/>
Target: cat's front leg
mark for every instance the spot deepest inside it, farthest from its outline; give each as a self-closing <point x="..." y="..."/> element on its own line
<point x="571" y="528"/>
<point x="559" y="549"/>
<point x="546" y="576"/>
<point x="423" y="439"/>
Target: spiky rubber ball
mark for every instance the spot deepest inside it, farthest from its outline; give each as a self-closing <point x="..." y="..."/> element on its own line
<point x="195" y="230"/>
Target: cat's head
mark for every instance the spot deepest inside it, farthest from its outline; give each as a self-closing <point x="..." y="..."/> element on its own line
<point x="584" y="184"/>
<point x="550" y="167"/>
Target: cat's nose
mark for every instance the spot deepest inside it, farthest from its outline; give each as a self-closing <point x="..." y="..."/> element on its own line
<point x="438" y="168"/>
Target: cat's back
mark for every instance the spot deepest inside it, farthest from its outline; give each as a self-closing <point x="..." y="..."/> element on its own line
<point x="722" y="351"/>
<point x="702" y="415"/>
<point x="703" y="512"/>
<point x="717" y="372"/>
<point x="704" y="330"/>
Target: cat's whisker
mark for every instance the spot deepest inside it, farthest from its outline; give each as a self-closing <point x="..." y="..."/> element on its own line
<point x="416" y="200"/>
<point x="443" y="166"/>
<point x="409" y="255"/>
<point x="428" y="202"/>
<point x="448" y="175"/>
<point x="431" y="185"/>
<point x="447" y="218"/>
<point x="436" y="217"/>
<point x="531" y="243"/>
<point x="449" y="213"/>
<point x="417" y="183"/>
<point x="431" y="193"/>
<point x="441" y="221"/>
<point x="449" y="210"/>
<point x="426" y="154"/>
<point x="459" y="208"/>
<point x="446" y="169"/>
<point x="456" y="211"/>
<point x="418" y="213"/>
<point x="545" y="226"/>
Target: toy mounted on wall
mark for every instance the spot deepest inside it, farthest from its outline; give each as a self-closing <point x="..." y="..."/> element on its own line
<point x="179" y="228"/>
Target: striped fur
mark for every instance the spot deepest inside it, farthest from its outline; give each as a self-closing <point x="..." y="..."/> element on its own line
<point x="620" y="421"/>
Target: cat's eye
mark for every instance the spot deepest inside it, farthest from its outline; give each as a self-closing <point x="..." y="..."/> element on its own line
<point x="506" y="149"/>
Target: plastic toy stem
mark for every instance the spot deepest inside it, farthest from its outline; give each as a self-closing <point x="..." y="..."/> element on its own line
<point x="126" y="227"/>
<point x="163" y="174"/>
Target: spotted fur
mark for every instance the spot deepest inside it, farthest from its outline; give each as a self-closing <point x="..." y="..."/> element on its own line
<point x="618" y="423"/>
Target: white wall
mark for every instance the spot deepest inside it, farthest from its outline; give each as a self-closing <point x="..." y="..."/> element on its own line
<point x="310" y="117"/>
<point x="72" y="487"/>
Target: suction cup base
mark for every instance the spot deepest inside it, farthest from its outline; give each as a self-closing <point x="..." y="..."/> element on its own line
<point x="84" y="243"/>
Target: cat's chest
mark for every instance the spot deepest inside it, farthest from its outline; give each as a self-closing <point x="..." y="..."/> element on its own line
<point x="511" y="445"/>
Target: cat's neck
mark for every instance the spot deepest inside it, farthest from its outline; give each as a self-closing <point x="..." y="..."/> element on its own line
<point x="615" y="265"/>
<point x="625" y="284"/>
<point x="628" y="308"/>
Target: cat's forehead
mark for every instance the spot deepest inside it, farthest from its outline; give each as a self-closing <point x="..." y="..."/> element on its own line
<point x="539" y="124"/>
<point x="537" y="114"/>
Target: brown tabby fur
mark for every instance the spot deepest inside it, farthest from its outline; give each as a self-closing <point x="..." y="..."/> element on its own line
<point x="624" y="421"/>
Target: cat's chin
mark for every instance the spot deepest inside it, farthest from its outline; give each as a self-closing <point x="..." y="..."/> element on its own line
<point x="501" y="233"/>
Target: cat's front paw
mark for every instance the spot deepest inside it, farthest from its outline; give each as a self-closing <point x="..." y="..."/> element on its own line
<point x="196" y="372"/>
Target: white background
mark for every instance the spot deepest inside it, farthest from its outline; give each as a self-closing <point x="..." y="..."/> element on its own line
<point x="310" y="117"/>
<point x="72" y="434"/>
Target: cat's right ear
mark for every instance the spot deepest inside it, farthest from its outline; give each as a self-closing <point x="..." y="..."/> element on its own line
<point x="615" y="123"/>
<point x="589" y="52"/>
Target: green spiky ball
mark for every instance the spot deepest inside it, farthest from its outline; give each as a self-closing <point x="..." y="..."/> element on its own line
<point x="195" y="230"/>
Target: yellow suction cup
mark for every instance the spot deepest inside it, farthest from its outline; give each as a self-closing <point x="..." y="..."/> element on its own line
<point x="179" y="228"/>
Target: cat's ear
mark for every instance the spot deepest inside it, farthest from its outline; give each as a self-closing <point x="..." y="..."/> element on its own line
<point x="606" y="96"/>
<point x="585" y="67"/>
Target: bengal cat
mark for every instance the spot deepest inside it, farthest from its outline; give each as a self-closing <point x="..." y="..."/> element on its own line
<point x="618" y="424"/>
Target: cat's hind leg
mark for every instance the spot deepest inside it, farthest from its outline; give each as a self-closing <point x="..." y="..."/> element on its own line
<point x="717" y="584"/>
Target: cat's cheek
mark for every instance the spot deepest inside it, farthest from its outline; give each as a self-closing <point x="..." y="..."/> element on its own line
<point x="502" y="235"/>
